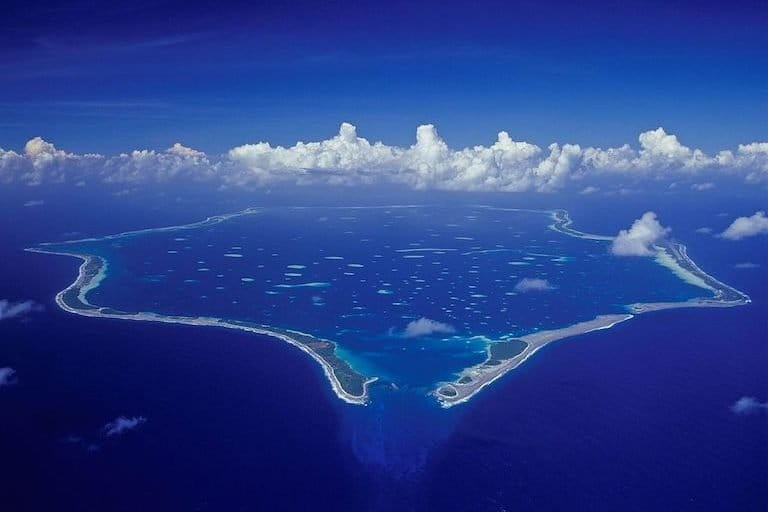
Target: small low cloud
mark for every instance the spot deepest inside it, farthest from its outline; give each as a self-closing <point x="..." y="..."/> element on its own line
<point x="122" y="424"/>
<point x="748" y="405"/>
<point x="533" y="284"/>
<point x="639" y="239"/>
<point x="703" y="186"/>
<point x="115" y="428"/>
<point x="426" y="327"/>
<point x="34" y="202"/>
<point x="744" y="227"/>
<point x="589" y="190"/>
<point x="7" y="376"/>
<point x="124" y="192"/>
<point x="704" y="231"/>
<point x="10" y="309"/>
<point x="82" y="442"/>
<point x="746" y="265"/>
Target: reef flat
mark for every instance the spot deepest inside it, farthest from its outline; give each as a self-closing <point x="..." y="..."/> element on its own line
<point x="417" y="297"/>
<point x="670" y="254"/>
<point x="471" y="380"/>
<point x="349" y="385"/>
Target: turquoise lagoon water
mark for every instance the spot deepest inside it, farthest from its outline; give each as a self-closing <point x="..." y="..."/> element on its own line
<point x="359" y="276"/>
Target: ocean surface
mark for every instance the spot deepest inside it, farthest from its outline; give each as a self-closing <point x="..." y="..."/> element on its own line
<point x="359" y="276"/>
<point x="634" y="418"/>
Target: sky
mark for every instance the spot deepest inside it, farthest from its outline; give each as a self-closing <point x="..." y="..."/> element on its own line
<point x="93" y="77"/>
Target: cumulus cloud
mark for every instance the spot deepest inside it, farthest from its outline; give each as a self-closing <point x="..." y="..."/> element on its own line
<point x="10" y="309"/>
<point x="639" y="239"/>
<point x="748" y="405"/>
<point x="426" y="327"/>
<point x="34" y="202"/>
<point x="505" y="165"/>
<point x="122" y="424"/>
<point x="533" y="284"/>
<point x="347" y="158"/>
<point x="746" y="265"/>
<point x="704" y="230"/>
<point x="744" y="227"/>
<point x="751" y="158"/>
<point x="6" y="376"/>
<point x="42" y="163"/>
<point x="160" y="167"/>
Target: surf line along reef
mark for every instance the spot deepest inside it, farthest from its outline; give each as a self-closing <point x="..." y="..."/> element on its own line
<point x="506" y="355"/>
<point x="351" y="385"/>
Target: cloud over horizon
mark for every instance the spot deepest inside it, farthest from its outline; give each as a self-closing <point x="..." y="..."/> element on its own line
<point x="639" y="239"/>
<point x="347" y="159"/>
<point x="744" y="227"/>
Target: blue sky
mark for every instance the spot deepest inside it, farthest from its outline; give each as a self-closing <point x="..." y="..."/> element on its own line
<point x="94" y="77"/>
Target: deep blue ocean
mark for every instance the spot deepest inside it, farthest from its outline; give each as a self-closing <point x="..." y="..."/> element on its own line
<point x="633" y="418"/>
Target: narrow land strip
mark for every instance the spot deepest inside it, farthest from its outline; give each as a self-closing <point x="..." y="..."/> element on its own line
<point x="348" y="385"/>
<point x="672" y="255"/>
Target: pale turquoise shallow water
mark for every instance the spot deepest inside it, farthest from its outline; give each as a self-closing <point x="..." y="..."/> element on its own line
<point x="359" y="276"/>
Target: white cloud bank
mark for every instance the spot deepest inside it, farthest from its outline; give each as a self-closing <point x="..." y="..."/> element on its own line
<point x="6" y="376"/>
<point x="10" y="309"/>
<point x="639" y="239"/>
<point x="748" y="405"/>
<point x="505" y="165"/>
<point x="426" y="327"/>
<point x="744" y="227"/>
<point x="122" y="424"/>
<point x="533" y="284"/>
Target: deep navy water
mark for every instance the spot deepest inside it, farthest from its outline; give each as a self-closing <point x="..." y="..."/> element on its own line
<point x="634" y="418"/>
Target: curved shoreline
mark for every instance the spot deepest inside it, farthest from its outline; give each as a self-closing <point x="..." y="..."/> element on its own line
<point x="472" y="380"/>
<point x="87" y="280"/>
<point x="672" y="255"/>
<point x="352" y="387"/>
